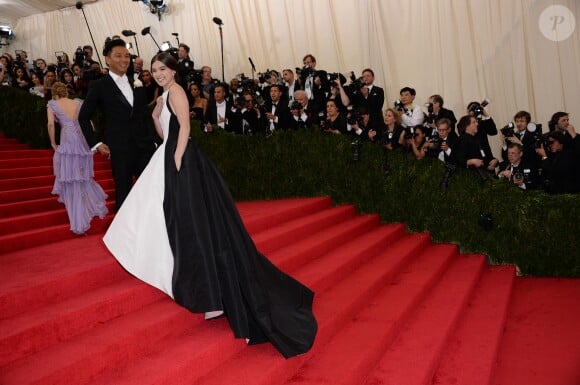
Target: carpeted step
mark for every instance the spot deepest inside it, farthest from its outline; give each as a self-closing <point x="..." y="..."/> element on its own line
<point x="540" y="343"/>
<point x="366" y="336"/>
<point x="56" y="322"/>
<point x="25" y="162"/>
<point x="45" y="235"/>
<point x="37" y="205"/>
<point x="323" y="241"/>
<point x="289" y="232"/>
<point x="32" y="171"/>
<point x="261" y="215"/>
<point x="371" y="284"/>
<point x="13" y="147"/>
<point x="21" y="195"/>
<point x="40" y="181"/>
<point x="180" y="372"/>
<point x="25" y="154"/>
<point x="54" y="273"/>
<point x="471" y="352"/>
<point x="4" y="140"/>
<point x="106" y="347"/>
<point x="34" y="221"/>
<point x="414" y="355"/>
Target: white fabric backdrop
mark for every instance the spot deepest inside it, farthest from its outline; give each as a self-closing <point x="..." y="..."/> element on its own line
<point x="463" y="50"/>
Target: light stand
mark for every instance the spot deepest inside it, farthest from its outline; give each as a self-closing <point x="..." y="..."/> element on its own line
<point x="79" y="5"/>
<point x="127" y="33"/>
<point x="147" y="31"/>
<point x="176" y="37"/>
<point x="219" y="22"/>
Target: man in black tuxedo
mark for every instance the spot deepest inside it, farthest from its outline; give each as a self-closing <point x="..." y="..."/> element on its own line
<point x="129" y="133"/>
<point x="370" y="97"/>
<point x="443" y="145"/>
<point x="221" y="112"/>
<point x="517" y="170"/>
<point x="278" y="115"/>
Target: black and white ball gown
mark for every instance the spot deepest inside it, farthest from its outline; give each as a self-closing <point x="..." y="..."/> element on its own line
<point x="181" y="232"/>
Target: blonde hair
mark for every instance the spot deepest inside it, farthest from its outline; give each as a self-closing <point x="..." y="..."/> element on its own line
<point x="396" y="114"/>
<point x="60" y="90"/>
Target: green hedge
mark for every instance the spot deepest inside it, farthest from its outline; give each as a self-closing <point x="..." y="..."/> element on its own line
<point x="536" y="231"/>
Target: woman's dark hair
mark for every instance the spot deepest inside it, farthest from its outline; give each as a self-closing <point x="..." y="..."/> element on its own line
<point x="62" y="72"/>
<point x="167" y="59"/>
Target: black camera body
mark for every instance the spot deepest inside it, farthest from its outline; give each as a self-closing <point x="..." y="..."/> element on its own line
<point x="508" y="130"/>
<point x="305" y="71"/>
<point x="295" y="105"/>
<point x="477" y="109"/>
<point x="409" y="132"/>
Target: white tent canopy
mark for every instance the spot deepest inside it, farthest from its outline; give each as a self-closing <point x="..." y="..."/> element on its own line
<point x="514" y="52"/>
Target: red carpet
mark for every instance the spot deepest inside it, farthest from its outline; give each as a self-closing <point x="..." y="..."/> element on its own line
<point x="392" y="307"/>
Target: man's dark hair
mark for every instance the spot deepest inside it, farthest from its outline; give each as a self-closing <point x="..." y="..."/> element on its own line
<point x="516" y="145"/>
<point x="523" y="114"/>
<point x="185" y="47"/>
<point x="369" y="70"/>
<point x="90" y="48"/>
<point x="312" y="58"/>
<point x="112" y="44"/>
<point x="278" y="86"/>
<point x="409" y="90"/>
<point x="437" y="99"/>
<point x="555" y="118"/>
<point x="463" y="123"/>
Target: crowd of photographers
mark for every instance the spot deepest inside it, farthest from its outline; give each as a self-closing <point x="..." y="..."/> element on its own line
<point x="307" y="97"/>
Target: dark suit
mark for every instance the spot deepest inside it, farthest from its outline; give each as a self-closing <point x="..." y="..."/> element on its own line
<point x="283" y="113"/>
<point x="129" y="131"/>
<point x="529" y="172"/>
<point x="373" y="102"/>
<point x="233" y="118"/>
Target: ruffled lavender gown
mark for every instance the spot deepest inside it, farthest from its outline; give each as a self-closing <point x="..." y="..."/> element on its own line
<point x="73" y="170"/>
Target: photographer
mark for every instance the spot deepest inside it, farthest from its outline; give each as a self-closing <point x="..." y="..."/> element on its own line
<point x="300" y="118"/>
<point x="359" y="124"/>
<point x="443" y="143"/>
<point x="469" y="150"/>
<point x="436" y="111"/>
<point x="41" y="67"/>
<point x="411" y="115"/>
<point x="185" y="64"/>
<point x="309" y="109"/>
<point x="418" y="143"/>
<point x="485" y="126"/>
<point x="315" y="82"/>
<point x="393" y="134"/>
<point x="335" y="122"/>
<point x="516" y="170"/>
<point x="292" y="84"/>
<point x="519" y="134"/>
<point x="369" y="96"/>
<point x="252" y="117"/>
<point x="560" y="164"/>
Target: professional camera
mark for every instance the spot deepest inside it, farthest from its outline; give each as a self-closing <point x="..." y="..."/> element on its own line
<point x="295" y="105"/>
<point x="193" y="76"/>
<point x="435" y="141"/>
<point x="508" y="130"/>
<point x="305" y="71"/>
<point x="322" y="120"/>
<point x="19" y="59"/>
<point x="477" y="109"/>
<point x="430" y="119"/>
<point x="409" y="132"/>
<point x="354" y="117"/>
<point x="399" y="105"/>
<point x="80" y="57"/>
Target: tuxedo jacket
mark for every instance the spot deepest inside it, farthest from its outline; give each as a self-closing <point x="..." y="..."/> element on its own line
<point x="232" y="115"/>
<point x="282" y="112"/>
<point x="529" y="172"/>
<point x="373" y="102"/>
<point x="126" y="127"/>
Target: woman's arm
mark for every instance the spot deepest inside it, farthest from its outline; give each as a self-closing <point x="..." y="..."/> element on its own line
<point x="155" y="116"/>
<point x="180" y="105"/>
<point x="51" y="134"/>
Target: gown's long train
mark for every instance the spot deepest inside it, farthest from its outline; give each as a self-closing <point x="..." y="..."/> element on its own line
<point x="180" y="231"/>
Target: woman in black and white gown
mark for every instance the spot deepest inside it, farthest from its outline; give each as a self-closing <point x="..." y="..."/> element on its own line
<point x="179" y="230"/>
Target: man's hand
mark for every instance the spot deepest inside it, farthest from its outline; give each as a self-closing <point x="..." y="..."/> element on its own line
<point x="103" y="149"/>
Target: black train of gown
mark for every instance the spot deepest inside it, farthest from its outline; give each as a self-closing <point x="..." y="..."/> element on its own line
<point x="217" y="265"/>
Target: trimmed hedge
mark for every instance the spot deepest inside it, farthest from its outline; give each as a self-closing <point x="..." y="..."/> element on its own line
<point x="536" y="231"/>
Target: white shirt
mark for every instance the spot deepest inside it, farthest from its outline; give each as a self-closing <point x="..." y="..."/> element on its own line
<point x="123" y="83"/>
<point x="221" y="111"/>
<point x="414" y="117"/>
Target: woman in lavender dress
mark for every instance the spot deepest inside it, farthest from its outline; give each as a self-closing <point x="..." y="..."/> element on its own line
<point x="73" y="163"/>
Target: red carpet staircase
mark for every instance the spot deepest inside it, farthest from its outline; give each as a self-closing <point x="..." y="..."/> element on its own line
<point x="392" y="307"/>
